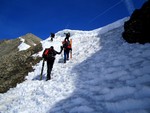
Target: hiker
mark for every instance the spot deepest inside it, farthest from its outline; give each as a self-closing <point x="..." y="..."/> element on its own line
<point x="50" y="58"/>
<point x="52" y="36"/>
<point x="67" y="49"/>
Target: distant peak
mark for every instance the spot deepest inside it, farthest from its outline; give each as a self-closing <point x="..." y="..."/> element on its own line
<point x="30" y="39"/>
<point x="30" y="35"/>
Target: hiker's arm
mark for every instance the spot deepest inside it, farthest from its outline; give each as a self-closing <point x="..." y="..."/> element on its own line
<point x="60" y="50"/>
<point x="70" y="49"/>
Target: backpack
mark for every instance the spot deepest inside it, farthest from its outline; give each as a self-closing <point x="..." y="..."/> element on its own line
<point x="48" y="54"/>
<point x="66" y="44"/>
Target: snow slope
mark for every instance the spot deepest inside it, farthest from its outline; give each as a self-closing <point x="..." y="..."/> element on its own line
<point x="23" y="45"/>
<point x="106" y="75"/>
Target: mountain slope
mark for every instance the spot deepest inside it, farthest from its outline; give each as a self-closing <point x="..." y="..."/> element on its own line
<point x="15" y="63"/>
<point x="106" y="75"/>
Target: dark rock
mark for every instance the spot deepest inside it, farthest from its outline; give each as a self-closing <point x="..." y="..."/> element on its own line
<point x="137" y="28"/>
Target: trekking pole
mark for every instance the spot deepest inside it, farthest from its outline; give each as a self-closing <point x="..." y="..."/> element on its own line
<point x="41" y="75"/>
<point x="71" y="50"/>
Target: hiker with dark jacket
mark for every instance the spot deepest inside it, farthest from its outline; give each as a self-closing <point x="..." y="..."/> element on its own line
<point x="50" y="58"/>
<point x="52" y="36"/>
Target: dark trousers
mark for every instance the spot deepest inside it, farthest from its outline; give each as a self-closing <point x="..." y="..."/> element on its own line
<point x="51" y="38"/>
<point x="66" y="55"/>
<point x="49" y="68"/>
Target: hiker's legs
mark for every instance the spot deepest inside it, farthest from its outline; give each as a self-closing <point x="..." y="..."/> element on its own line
<point x="65" y="56"/>
<point x="49" y="69"/>
<point x="51" y="38"/>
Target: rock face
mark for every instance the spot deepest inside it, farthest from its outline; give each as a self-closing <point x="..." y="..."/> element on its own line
<point x="137" y="28"/>
<point x="15" y="64"/>
<point x="31" y="39"/>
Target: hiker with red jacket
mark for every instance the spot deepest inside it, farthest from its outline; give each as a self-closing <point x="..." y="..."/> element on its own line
<point x="66" y="46"/>
<point x="67" y="49"/>
<point x="49" y="56"/>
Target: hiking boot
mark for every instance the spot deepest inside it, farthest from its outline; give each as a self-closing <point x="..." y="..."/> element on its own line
<point x="48" y="79"/>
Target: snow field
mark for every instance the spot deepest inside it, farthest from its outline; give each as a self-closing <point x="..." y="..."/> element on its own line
<point x="106" y="75"/>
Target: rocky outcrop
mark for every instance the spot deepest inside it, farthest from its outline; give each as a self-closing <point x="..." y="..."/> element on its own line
<point x="137" y="28"/>
<point x="9" y="46"/>
<point x="14" y="64"/>
<point x="31" y="39"/>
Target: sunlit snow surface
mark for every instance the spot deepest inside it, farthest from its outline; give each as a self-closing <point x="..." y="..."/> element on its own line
<point x="105" y="75"/>
<point x="23" y="45"/>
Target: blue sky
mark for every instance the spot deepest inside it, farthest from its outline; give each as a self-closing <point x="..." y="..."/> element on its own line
<point x="41" y="17"/>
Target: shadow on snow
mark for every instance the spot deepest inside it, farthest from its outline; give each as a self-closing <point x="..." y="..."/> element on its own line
<point x="91" y="83"/>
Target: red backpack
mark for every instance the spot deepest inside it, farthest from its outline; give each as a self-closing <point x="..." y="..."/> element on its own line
<point x="48" y="54"/>
<point x="66" y="44"/>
